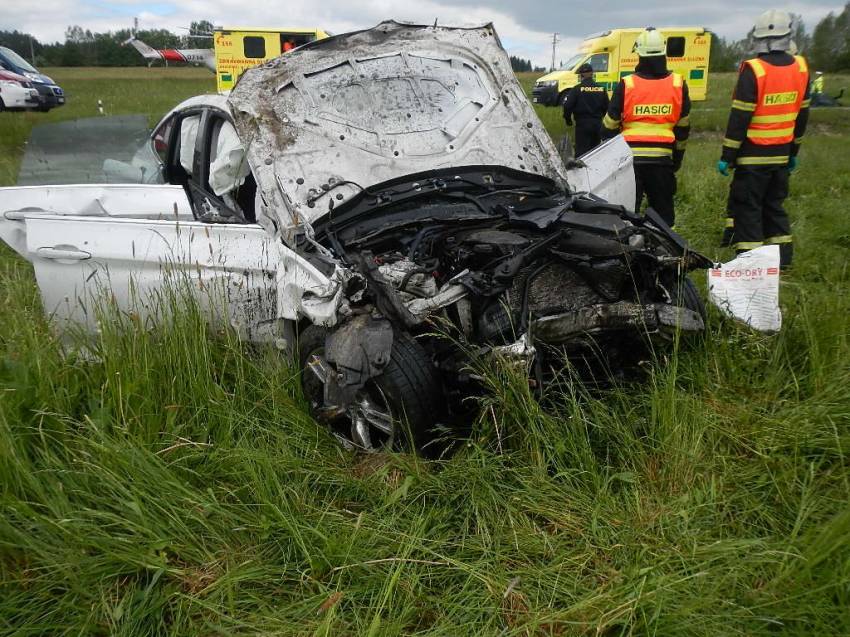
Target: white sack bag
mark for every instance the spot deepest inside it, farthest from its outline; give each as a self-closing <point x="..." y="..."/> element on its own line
<point x="747" y="288"/>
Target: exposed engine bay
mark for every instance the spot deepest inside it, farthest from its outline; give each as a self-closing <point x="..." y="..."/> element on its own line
<point x="504" y="263"/>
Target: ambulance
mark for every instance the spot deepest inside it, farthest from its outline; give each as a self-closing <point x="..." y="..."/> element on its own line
<point x="238" y="49"/>
<point x="611" y="56"/>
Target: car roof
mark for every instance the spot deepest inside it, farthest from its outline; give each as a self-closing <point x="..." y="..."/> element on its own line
<point x="9" y="75"/>
<point x="209" y="100"/>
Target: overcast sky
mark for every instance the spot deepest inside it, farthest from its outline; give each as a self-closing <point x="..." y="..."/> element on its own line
<point x="525" y="26"/>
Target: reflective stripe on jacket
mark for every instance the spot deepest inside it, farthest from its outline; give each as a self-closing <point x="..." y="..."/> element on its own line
<point x="651" y="108"/>
<point x="780" y="96"/>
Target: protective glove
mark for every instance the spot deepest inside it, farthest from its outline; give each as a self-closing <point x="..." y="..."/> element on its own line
<point x="792" y="164"/>
<point x="723" y="168"/>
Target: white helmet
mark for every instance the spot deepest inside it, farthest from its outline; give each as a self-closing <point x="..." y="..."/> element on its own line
<point x="773" y="24"/>
<point x="650" y="42"/>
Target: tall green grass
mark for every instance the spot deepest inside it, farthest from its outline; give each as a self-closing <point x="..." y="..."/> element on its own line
<point x="169" y="482"/>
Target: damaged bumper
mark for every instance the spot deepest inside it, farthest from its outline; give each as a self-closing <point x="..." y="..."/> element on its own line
<point x="622" y="316"/>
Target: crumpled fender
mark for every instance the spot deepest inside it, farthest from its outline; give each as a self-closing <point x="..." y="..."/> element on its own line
<point x="359" y="350"/>
<point x="303" y="291"/>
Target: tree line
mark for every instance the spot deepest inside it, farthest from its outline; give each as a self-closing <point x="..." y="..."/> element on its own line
<point x="82" y="47"/>
<point x="827" y="47"/>
<point x="521" y="65"/>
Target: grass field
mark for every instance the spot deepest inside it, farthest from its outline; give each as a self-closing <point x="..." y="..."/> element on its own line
<point x="174" y="485"/>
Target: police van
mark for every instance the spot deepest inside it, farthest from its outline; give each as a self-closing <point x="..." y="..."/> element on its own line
<point x="238" y="49"/>
<point x="611" y="56"/>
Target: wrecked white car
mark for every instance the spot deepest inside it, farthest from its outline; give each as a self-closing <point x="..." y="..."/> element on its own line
<point x="401" y="210"/>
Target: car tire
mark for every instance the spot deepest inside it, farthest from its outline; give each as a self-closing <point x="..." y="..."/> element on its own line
<point x="44" y="108"/>
<point x="408" y="388"/>
<point x="684" y="293"/>
<point x="2" y="105"/>
<point x="562" y="97"/>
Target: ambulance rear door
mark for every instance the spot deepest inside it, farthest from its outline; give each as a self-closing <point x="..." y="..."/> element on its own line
<point x="236" y="51"/>
<point x="687" y="55"/>
<point x="628" y="58"/>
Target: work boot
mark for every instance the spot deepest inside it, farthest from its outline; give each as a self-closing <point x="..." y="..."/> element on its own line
<point x="728" y="234"/>
<point x="786" y="255"/>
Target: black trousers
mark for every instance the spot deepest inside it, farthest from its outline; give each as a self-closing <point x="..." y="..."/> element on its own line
<point x="588" y="131"/>
<point x="756" y="195"/>
<point x="658" y="183"/>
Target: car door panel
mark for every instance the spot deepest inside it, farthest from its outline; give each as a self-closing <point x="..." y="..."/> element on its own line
<point x="119" y="200"/>
<point x="607" y="173"/>
<point x="137" y="266"/>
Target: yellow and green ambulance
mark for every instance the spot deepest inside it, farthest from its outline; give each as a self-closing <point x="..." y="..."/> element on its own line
<point x="611" y="56"/>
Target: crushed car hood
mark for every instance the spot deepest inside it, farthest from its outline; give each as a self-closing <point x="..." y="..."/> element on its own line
<point x="342" y="114"/>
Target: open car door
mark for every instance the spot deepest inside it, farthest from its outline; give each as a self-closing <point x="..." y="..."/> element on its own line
<point x="607" y="173"/>
<point x="115" y="201"/>
<point x="84" y="265"/>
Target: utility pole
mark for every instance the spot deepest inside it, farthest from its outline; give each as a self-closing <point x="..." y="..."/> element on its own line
<point x="135" y="26"/>
<point x="32" y="52"/>
<point x="554" y="44"/>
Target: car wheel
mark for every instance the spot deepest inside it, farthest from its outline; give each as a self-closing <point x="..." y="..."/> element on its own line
<point x="44" y="108"/>
<point x="684" y="293"/>
<point x="687" y="295"/>
<point x="2" y="105"/>
<point x="562" y="97"/>
<point x="392" y="411"/>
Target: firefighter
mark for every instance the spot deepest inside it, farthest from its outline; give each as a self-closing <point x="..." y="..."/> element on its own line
<point x="817" y="83"/>
<point x="651" y="108"/>
<point x="587" y="103"/>
<point x="770" y="109"/>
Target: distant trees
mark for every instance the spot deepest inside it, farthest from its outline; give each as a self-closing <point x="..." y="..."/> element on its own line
<point x="726" y="55"/>
<point x="82" y="47"/>
<point x="22" y="43"/>
<point x="520" y="65"/>
<point x="200" y="35"/>
<point x="200" y="28"/>
<point x="830" y="49"/>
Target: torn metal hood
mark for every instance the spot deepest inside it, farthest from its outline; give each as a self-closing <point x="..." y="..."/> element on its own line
<point x="345" y="113"/>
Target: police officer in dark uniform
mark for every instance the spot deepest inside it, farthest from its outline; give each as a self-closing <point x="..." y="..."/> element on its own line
<point x="587" y="103"/>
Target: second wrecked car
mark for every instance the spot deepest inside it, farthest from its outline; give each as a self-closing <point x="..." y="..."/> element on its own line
<point x="406" y="211"/>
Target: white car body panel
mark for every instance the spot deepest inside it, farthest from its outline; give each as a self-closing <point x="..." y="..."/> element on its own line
<point x="18" y="96"/>
<point x="128" y="201"/>
<point x="608" y="173"/>
<point x="80" y="261"/>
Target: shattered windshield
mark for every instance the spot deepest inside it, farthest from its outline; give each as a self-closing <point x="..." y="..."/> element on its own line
<point x="18" y="60"/>
<point x="570" y="64"/>
<point x="93" y="150"/>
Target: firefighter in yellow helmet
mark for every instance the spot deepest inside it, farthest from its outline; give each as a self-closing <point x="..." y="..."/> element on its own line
<point x="651" y="108"/>
<point x="817" y="83"/>
<point x="770" y="109"/>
